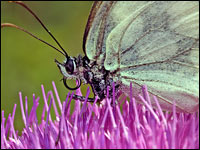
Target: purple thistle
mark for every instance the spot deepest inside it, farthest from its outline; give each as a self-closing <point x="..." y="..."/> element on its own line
<point x="109" y="125"/>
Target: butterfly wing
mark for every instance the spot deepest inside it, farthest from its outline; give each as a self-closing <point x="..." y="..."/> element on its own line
<point x="152" y="43"/>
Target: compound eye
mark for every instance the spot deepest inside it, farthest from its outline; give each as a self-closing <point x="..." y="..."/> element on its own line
<point x="69" y="66"/>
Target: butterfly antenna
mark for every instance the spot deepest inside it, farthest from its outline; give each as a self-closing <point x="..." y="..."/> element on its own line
<point x="36" y="17"/>
<point x="22" y="29"/>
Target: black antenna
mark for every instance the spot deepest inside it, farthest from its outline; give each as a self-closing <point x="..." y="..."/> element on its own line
<point x="32" y="13"/>
<point x="22" y="29"/>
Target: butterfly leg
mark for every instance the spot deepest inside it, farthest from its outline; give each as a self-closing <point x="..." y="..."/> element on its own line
<point x="82" y="98"/>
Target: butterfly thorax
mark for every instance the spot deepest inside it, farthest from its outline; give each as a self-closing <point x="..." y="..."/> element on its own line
<point x="96" y="75"/>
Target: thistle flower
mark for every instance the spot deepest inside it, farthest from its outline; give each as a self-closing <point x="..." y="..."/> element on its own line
<point x="123" y="125"/>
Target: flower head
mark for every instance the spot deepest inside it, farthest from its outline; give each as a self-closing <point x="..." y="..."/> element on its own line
<point x="115" y="123"/>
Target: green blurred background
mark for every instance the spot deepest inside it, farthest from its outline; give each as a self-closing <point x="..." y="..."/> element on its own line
<point x="26" y="63"/>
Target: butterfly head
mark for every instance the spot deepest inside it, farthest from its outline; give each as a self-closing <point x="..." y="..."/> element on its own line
<point x="70" y="69"/>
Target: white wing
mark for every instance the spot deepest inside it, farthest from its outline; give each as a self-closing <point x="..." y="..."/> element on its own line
<point x="152" y="43"/>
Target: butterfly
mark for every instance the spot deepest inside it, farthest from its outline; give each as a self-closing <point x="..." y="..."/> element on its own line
<point x="155" y="43"/>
